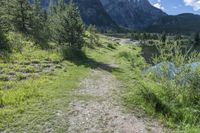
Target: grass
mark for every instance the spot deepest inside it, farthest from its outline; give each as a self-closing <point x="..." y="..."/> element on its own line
<point x="176" y="106"/>
<point x="40" y="103"/>
<point x="34" y="101"/>
<point x="35" y="88"/>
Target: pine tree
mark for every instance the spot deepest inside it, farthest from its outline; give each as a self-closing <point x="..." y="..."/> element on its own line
<point x="7" y="16"/>
<point x="72" y="27"/>
<point x="54" y="21"/>
<point x="3" y="24"/>
<point x="23" y="16"/>
<point x="66" y="25"/>
<point x="16" y="15"/>
<point x="39" y="22"/>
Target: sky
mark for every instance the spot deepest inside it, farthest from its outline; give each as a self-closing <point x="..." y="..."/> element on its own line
<point x="174" y="7"/>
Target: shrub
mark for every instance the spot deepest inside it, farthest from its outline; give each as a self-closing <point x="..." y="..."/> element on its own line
<point x="93" y="37"/>
<point x="71" y="53"/>
<point x="3" y="41"/>
<point x="176" y="99"/>
<point x="111" y="45"/>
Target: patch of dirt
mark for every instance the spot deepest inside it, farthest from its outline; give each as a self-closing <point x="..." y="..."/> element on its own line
<point x="102" y="112"/>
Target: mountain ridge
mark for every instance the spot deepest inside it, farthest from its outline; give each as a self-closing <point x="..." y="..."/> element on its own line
<point x="136" y="15"/>
<point x="181" y="23"/>
<point x="132" y="14"/>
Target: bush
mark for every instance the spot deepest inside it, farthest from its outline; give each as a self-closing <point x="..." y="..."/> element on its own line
<point x="3" y="41"/>
<point x="66" y="26"/>
<point x="111" y="45"/>
<point x="71" y="53"/>
<point x="176" y="99"/>
<point x="93" y="37"/>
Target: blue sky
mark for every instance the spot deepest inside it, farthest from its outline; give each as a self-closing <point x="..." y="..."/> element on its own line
<point x="173" y="7"/>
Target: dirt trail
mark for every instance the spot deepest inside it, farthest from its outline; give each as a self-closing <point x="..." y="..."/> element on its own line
<point x="98" y="110"/>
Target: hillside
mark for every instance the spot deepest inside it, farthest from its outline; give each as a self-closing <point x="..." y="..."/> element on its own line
<point x="183" y="23"/>
<point x="132" y="14"/>
<point x="57" y="75"/>
<point x="92" y="12"/>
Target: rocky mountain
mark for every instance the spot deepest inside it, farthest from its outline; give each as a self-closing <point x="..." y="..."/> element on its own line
<point x="132" y="14"/>
<point x="183" y="23"/>
<point x="92" y="12"/>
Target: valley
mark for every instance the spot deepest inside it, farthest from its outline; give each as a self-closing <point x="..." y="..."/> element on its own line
<point x="98" y="66"/>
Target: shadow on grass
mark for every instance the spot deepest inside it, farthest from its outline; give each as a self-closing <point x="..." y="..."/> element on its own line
<point x="83" y="60"/>
<point x="4" y="56"/>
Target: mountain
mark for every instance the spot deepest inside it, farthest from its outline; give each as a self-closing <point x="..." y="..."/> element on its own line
<point x="183" y="23"/>
<point x="92" y="13"/>
<point x="132" y="14"/>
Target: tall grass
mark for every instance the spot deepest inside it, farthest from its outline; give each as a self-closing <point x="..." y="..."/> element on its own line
<point x="176" y="101"/>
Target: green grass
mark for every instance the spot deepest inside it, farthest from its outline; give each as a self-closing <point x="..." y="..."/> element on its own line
<point x="32" y="102"/>
<point x="35" y="88"/>
<point x="174" y="105"/>
<point x="40" y="103"/>
<point x="162" y="99"/>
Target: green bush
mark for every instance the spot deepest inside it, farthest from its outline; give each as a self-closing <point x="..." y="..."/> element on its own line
<point x="175" y="101"/>
<point x="3" y="41"/>
<point x="178" y="102"/>
<point x="71" y="53"/>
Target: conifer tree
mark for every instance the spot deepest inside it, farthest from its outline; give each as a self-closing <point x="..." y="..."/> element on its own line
<point x="23" y="16"/>
<point x="66" y="25"/>
<point x="15" y="15"/>
<point x="38" y="22"/>
<point x="7" y="15"/>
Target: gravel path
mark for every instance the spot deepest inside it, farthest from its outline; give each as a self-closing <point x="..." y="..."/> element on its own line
<point x="98" y="110"/>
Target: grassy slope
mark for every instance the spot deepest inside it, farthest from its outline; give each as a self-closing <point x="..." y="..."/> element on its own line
<point x="38" y="103"/>
<point x="35" y="87"/>
<point x="154" y="101"/>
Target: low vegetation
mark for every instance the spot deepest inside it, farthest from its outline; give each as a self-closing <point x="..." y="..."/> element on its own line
<point x="44" y="56"/>
<point x="174" y="101"/>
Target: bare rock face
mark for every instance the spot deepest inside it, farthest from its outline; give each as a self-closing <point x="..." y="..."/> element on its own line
<point x="132" y="14"/>
<point x="93" y="12"/>
<point x="109" y="14"/>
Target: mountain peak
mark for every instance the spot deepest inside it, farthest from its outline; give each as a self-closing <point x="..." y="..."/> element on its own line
<point x="132" y="14"/>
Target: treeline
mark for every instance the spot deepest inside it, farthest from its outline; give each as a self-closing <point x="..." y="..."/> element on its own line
<point x="61" y="24"/>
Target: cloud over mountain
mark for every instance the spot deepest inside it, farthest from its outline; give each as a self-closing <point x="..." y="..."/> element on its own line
<point x="193" y="3"/>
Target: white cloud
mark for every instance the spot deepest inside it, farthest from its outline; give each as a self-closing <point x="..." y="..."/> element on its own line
<point x="159" y="5"/>
<point x="195" y="4"/>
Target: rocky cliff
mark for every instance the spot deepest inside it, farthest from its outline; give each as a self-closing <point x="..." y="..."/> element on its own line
<point x="132" y="14"/>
